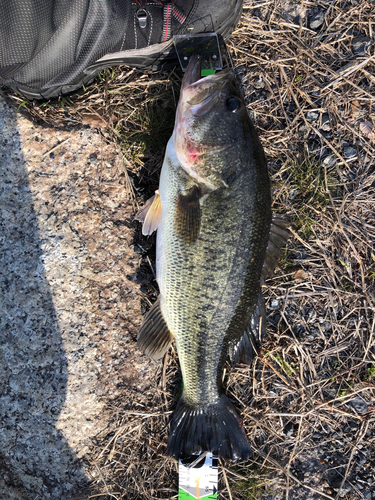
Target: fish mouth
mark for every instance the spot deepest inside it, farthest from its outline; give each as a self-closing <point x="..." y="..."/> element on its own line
<point x="193" y="72"/>
<point x="198" y="91"/>
<point x="198" y="98"/>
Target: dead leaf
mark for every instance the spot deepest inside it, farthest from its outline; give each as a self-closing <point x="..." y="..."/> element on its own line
<point x="366" y="128"/>
<point x="347" y="68"/>
<point x="355" y="109"/>
<point x="299" y="275"/>
<point x="94" y="121"/>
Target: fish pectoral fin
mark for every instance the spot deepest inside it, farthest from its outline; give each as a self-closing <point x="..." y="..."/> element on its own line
<point x="188" y="215"/>
<point x="154" y="337"/>
<point x="247" y="347"/>
<point x="150" y="214"/>
<point x="279" y="234"/>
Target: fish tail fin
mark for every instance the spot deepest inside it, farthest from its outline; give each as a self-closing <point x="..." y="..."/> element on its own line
<point x="214" y="427"/>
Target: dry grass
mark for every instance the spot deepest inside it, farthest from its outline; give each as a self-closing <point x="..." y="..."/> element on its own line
<point x="319" y="353"/>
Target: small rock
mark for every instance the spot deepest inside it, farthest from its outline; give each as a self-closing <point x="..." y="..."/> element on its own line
<point x="327" y="326"/>
<point x="304" y="131"/>
<point x="362" y="459"/>
<point x="300" y="330"/>
<point x="361" y="45"/>
<point x="258" y="83"/>
<point x="350" y="152"/>
<point x="329" y="161"/>
<point x="289" y="429"/>
<point x="275" y="304"/>
<point x="312" y="115"/>
<point x="359" y="405"/>
<point x="93" y="158"/>
<point x="325" y="126"/>
<point x="274" y="319"/>
<point x="293" y="194"/>
<point x="316" y="20"/>
<point x="345" y="488"/>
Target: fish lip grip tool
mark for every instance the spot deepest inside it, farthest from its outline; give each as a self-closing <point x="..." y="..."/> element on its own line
<point x="206" y="45"/>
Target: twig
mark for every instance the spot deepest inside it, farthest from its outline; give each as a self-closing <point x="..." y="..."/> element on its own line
<point x="354" y="67"/>
<point x="197" y="460"/>
<point x="96" y="495"/>
<point x="227" y="483"/>
<point x="56" y="147"/>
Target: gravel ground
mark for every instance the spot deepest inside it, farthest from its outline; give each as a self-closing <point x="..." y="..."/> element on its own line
<point x="70" y="304"/>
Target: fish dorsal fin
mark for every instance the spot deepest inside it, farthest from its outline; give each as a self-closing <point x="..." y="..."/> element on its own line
<point x="279" y="234"/>
<point x="247" y="347"/>
<point x="188" y="215"/>
<point x="154" y="337"/>
<point x="150" y="214"/>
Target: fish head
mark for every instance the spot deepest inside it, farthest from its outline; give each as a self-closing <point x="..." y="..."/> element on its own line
<point x="212" y="127"/>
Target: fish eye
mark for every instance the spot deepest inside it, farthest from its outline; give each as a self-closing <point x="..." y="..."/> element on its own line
<point x="233" y="104"/>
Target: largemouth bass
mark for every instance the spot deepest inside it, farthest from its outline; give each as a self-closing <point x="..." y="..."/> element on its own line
<point x="215" y="240"/>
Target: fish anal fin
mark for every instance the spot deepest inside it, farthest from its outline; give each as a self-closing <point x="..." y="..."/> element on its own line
<point x="245" y="350"/>
<point x="188" y="215"/>
<point x="150" y="214"/>
<point x="279" y="235"/>
<point x="154" y="337"/>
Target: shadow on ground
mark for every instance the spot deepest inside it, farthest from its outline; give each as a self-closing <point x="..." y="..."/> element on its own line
<point x="35" y="459"/>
